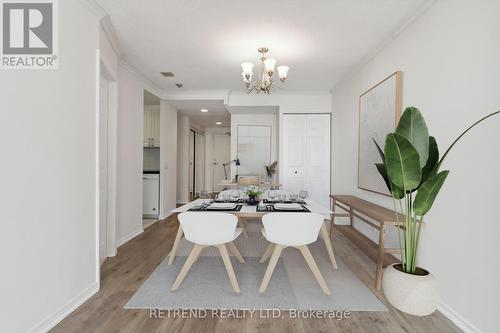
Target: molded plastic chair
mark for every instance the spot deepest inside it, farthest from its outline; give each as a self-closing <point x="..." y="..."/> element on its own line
<point x="210" y="229"/>
<point x="295" y="230"/>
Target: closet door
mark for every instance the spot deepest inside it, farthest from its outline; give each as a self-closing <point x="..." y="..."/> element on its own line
<point x="306" y="155"/>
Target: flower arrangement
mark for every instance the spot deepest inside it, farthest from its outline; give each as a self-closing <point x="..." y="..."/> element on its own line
<point x="253" y="191"/>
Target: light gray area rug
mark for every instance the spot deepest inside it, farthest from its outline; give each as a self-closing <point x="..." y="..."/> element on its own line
<point x="292" y="285"/>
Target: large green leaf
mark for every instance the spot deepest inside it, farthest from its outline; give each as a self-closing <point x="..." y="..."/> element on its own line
<point x="428" y="192"/>
<point x="429" y="169"/>
<point x="412" y="126"/>
<point x="380" y="151"/>
<point x="461" y="135"/>
<point x="402" y="161"/>
<point x="396" y="192"/>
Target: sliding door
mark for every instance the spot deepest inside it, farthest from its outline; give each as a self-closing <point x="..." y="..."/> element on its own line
<point x="306" y="155"/>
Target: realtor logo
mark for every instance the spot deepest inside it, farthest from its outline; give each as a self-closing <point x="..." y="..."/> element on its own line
<point x="29" y="34"/>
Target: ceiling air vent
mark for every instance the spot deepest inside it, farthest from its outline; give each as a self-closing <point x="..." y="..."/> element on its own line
<point x="167" y="74"/>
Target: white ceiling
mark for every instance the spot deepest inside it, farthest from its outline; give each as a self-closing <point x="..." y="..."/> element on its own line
<point x="204" y="42"/>
<point x="216" y="112"/>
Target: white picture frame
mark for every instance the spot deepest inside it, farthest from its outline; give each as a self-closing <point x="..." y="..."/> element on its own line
<point x="379" y="112"/>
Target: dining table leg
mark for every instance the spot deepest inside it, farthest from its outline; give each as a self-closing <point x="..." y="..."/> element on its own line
<point x="328" y="244"/>
<point x="177" y="241"/>
<point x="243" y="226"/>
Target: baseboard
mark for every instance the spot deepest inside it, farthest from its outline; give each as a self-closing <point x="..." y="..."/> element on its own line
<point x="128" y="237"/>
<point x="54" y="319"/>
<point x="457" y="319"/>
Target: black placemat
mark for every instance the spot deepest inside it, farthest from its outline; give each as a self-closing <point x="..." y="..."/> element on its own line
<point x="270" y="208"/>
<point x="286" y="201"/>
<point x="208" y="209"/>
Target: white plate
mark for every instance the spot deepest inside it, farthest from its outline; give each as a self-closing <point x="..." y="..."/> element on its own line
<point x="222" y="205"/>
<point x="292" y="206"/>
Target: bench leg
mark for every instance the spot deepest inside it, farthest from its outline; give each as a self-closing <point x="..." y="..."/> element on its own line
<point x="380" y="258"/>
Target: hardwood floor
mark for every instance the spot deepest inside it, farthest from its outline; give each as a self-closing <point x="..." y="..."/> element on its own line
<point x="122" y="275"/>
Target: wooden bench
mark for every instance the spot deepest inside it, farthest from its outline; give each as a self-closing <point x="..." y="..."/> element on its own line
<point x="375" y="216"/>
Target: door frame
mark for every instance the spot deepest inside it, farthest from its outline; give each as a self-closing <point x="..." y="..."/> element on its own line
<point x="102" y="69"/>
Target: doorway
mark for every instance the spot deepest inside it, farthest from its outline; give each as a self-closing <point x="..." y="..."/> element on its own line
<point x="221" y="154"/>
<point x="196" y="163"/>
<point x="103" y="167"/>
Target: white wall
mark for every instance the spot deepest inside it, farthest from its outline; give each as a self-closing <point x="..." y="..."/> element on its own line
<point x="253" y="119"/>
<point x="183" y="132"/>
<point x="48" y="176"/>
<point x="130" y="145"/>
<point x="451" y="71"/>
<point x="168" y="159"/>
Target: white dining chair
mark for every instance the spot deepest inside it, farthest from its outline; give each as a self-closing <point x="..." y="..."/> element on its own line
<point x="297" y="230"/>
<point x="210" y="229"/>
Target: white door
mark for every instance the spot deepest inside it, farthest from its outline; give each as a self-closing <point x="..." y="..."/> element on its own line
<point x="103" y="167"/>
<point x="200" y="162"/>
<point x="306" y="155"/>
<point x="222" y="153"/>
<point x="191" y="164"/>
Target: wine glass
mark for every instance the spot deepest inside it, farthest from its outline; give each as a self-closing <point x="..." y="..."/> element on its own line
<point x="294" y="198"/>
<point x="282" y="198"/>
<point x="226" y="197"/>
<point x="235" y="194"/>
<point x="303" y="195"/>
<point x="272" y="195"/>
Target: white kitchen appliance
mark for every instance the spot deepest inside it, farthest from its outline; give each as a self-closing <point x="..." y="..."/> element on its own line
<point x="151" y="195"/>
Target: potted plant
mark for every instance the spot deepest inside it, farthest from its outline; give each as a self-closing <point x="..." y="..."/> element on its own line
<point x="411" y="170"/>
<point x="271" y="170"/>
<point x="252" y="192"/>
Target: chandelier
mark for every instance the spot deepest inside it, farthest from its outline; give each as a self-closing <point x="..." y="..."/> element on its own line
<point x="265" y="82"/>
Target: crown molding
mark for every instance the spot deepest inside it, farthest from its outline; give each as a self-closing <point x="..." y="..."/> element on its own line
<point x="379" y="48"/>
<point x="94" y="8"/>
<point x="198" y="95"/>
<point x="148" y="84"/>
<point x="111" y="35"/>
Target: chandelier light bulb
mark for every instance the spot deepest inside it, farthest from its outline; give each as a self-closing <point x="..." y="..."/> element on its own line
<point x="283" y="72"/>
<point x="269" y="65"/>
<point x="247" y="68"/>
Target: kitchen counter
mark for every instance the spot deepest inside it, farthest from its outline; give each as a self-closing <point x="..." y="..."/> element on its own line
<point x="151" y="172"/>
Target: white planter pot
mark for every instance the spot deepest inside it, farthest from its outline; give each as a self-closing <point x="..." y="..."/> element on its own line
<point x="414" y="294"/>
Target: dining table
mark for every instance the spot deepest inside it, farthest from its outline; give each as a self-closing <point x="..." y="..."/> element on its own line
<point x="252" y="212"/>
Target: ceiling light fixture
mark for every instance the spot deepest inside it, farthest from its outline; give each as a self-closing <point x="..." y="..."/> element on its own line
<point x="204" y="110"/>
<point x="265" y="82"/>
<point x="218" y="123"/>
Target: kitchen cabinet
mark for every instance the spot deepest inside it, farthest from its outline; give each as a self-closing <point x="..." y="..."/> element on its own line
<point x="151" y="128"/>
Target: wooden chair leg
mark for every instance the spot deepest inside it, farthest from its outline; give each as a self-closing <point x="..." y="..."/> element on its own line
<point x="198" y="255"/>
<point x="267" y="252"/>
<point x="270" y="268"/>
<point x="177" y="241"/>
<point x="328" y="244"/>
<point x="229" y="267"/>
<point x="234" y="249"/>
<point x="314" y="268"/>
<point x="187" y="266"/>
